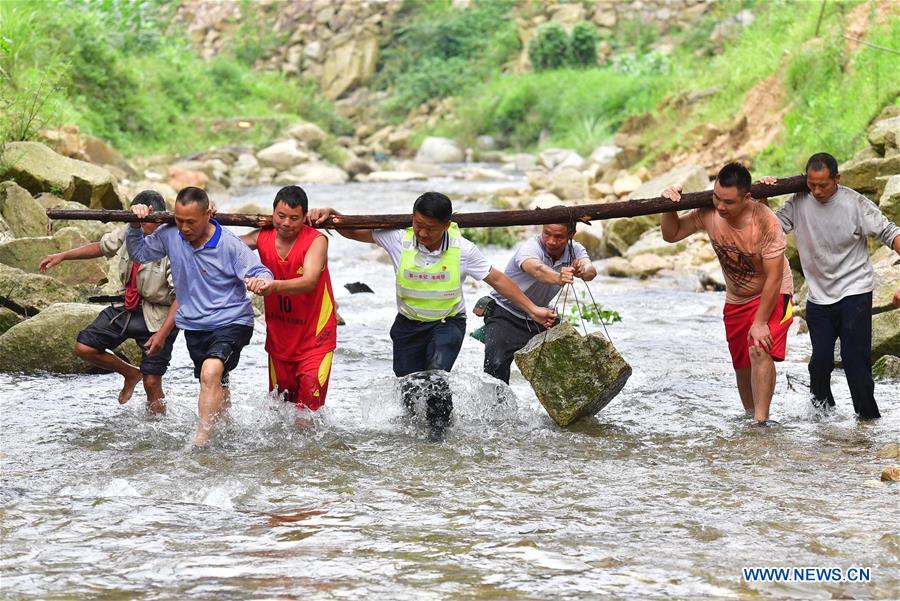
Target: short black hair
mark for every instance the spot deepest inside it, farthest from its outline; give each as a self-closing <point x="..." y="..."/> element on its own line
<point x="823" y="160"/>
<point x="193" y="194"/>
<point x="292" y="196"/>
<point x="434" y="205"/>
<point x="151" y="198"/>
<point x="735" y="175"/>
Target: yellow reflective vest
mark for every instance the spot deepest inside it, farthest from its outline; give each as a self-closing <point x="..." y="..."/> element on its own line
<point x="426" y="290"/>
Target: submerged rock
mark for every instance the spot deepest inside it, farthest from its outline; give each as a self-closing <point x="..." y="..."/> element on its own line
<point x="889" y="451"/>
<point x="46" y="342"/>
<point x="572" y="375"/>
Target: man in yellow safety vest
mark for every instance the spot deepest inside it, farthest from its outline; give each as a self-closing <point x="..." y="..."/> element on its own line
<point x="431" y="260"/>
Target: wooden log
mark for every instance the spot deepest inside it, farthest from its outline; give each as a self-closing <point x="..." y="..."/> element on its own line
<point x="563" y="214"/>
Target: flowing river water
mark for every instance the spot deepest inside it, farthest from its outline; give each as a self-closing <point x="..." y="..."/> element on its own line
<point x="668" y="492"/>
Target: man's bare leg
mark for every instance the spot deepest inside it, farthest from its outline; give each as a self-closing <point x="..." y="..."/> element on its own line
<point x="111" y="362"/>
<point x="212" y="399"/>
<point x="762" y="378"/>
<point x="745" y="389"/>
<point x="156" y="404"/>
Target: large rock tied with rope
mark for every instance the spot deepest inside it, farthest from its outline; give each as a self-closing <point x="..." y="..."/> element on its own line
<point x="573" y="376"/>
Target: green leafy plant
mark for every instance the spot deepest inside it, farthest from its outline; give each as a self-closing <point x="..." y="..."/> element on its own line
<point x="586" y="311"/>
<point x="584" y="44"/>
<point x="550" y="47"/>
<point x="507" y="237"/>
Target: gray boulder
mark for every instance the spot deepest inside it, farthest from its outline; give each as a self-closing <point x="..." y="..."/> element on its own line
<point x="38" y="169"/>
<point x="572" y="375"/>
<point x="620" y="234"/>
<point x="45" y="343"/>
<point x="8" y="319"/>
<point x="889" y="203"/>
<point x="886" y="265"/>
<point x="91" y="230"/>
<point x="26" y="254"/>
<point x="21" y="212"/>
<point x="886" y="334"/>
<point x="439" y="150"/>
<point x="887" y="368"/>
<point x="31" y="293"/>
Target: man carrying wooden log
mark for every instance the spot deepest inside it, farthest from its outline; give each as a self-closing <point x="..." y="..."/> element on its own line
<point x="749" y="244"/>
<point x="831" y="223"/>
<point x="541" y="266"/>
<point x="146" y="312"/>
<point x="431" y="259"/>
<point x="301" y="325"/>
<point x="209" y="266"/>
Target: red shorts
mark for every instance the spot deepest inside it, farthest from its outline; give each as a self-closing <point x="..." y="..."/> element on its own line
<point x="303" y="382"/>
<point x="739" y="318"/>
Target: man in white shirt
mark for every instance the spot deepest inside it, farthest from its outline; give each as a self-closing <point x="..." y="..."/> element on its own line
<point x="831" y="223"/>
<point x="431" y="259"/>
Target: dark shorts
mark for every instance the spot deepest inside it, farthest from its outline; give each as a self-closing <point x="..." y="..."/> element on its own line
<point x="224" y="343"/>
<point x="115" y="325"/>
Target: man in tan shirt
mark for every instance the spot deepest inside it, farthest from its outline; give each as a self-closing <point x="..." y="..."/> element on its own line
<point x="750" y="245"/>
<point x="146" y="314"/>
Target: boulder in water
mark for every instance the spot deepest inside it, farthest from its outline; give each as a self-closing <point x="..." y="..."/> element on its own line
<point x="46" y="342"/>
<point x="886" y="334"/>
<point x="889" y="451"/>
<point x="890" y="473"/>
<point x="887" y="367"/>
<point x="573" y="376"/>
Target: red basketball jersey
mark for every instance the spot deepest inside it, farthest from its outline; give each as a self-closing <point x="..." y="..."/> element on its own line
<point x="297" y="324"/>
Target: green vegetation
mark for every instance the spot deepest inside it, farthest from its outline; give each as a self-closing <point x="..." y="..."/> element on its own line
<point x="507" y="237"/>
<point x="584" y="44"/>
<point x="833" y="90"/>
<point x="436" y="51"/>
<point x="586" y="311"/>
<point x="549" y="49"/>
<point x="118" y="70"/>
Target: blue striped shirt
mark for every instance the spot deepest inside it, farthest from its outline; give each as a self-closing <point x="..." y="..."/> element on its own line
<point x="209" y="281"/>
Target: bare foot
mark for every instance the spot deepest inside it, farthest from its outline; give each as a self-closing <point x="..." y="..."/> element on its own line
<point x="128" y="388"/>
<point x="203" y="435"/>
<point x="156" y="407"/>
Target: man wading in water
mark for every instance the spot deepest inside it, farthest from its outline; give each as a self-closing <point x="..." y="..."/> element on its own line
<point x="831" y="224"/>
<point x="146" y="313"/>
<point x="541" y="266"/>
<point x="209" y="266"/>
<point x="750" y="245"/>
<point x="431" y="259"/>
<point x="301" y="327"/>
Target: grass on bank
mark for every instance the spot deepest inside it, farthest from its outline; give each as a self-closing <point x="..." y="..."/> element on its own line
<point x="121" y="71"/>
<point x="834" y="92"/>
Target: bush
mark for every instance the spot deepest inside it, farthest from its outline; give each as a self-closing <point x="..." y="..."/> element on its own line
<point x="549" y="48"/>
<point x="584" y="45"/>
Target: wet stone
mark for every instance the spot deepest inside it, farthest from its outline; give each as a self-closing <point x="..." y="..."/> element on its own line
<point x="573" y="376"/>
<point x="890" y="473"/>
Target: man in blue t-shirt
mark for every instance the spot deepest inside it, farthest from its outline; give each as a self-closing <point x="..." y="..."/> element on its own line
<point x="541" y="266"/>
<point x="209" y="267"/>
